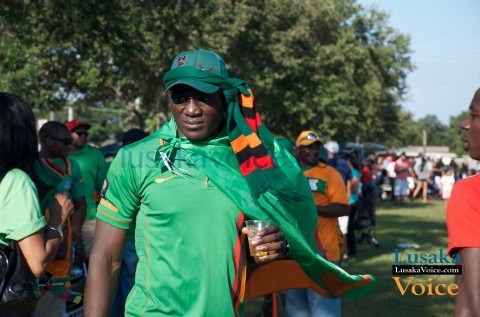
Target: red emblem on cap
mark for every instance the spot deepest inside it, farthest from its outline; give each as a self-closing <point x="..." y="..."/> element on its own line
<point x="181" y="61"/>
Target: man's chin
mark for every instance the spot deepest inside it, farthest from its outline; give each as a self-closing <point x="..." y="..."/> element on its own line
<point x="474" y="154"/>
<point x="195" y="136"/>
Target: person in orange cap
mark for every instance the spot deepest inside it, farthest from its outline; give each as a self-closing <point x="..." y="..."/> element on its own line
<point x="332" y="201"/>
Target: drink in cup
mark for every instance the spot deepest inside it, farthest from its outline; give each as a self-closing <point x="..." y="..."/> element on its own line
<point x="254" y="226"/>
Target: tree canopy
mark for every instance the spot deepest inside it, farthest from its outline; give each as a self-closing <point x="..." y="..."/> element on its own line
<point x="455" y="133"/>
<point x="330" y="65"/>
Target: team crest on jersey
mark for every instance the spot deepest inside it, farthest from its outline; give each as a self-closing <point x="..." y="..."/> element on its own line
<point x="313" y="184"/>
<point x="104" y="188"/>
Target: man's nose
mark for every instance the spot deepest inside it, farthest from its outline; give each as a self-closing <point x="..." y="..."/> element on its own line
<point x="192" y="108"/>
<point x="465" y="124"/>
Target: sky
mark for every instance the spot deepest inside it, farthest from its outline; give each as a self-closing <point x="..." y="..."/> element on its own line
<point x="445" y="40"/>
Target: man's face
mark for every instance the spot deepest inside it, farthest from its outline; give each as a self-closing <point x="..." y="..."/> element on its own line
<point x="309" y="154"/>
<point x="57" y="145"/>
<point x="471" y="125"/>
<point x="197" y="115"/>
<point x="79" y="137"/>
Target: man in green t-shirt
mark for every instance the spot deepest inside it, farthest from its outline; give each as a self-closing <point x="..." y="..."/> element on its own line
<point x="188" y="188"/>
<point x="55" y="173"/>
<point x="91" y="162"/>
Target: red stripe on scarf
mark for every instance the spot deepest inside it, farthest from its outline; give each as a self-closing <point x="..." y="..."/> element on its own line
<point x="252" y="123"/>
<point x="253" y="163"/>
<point x="55" y="168"/>
<point x="259" y="121"/>
<point x="238" y="289"/>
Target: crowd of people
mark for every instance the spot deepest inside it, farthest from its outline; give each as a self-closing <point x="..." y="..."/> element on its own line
<point x="161" y="231"/>
<point x="399" y="177"/>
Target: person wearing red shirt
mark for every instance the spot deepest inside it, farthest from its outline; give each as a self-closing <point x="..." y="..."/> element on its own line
<point x="463" y="220"/>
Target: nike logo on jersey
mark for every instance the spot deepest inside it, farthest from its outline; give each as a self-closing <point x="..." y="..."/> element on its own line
<point x="161" y="180"/>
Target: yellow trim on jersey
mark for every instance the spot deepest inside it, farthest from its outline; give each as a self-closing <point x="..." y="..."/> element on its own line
<point x="108" y="205"/>
<point x="112" y="217"/>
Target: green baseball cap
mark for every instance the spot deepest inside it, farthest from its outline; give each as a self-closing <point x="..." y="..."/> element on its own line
<point x="202" y="59"/>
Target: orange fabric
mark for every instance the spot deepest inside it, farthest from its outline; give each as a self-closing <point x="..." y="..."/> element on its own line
<point x="287" y="274"/>
<point x="239" y="143"/>
<point x="61" y="267"/>
<point x="253" y="140"/>
<point x="242" y="142"/>
<point x="247" y="101"/>
<point x="328" y="230"/>
<point x="277" y="276"/>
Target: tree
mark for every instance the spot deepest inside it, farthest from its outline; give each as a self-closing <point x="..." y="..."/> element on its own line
<point x="408" y="132"/>
<point x="331" y="66"/>
<point x="437" y="132"/>
<point x="455" y="132"/>
<point x="92" y="53"/>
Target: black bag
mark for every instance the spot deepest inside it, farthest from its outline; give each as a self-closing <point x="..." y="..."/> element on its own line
<point x="366" y="213"/>
<point x="18" y="291"/>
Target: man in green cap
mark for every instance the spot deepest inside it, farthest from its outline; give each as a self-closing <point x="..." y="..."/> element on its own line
<point x="188" y="188"/>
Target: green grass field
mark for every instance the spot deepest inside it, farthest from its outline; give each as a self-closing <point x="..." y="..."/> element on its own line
<point x="416" y="222"/>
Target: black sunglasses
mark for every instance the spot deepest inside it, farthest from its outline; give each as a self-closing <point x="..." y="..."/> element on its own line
<point x="65" y="142"/>
<point x="81" y="133"/>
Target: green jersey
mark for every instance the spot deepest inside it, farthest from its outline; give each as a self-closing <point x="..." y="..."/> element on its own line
<point x="188" y="235"/>
<point x="131" y="231"/>
<point x="19" y="207"/>
<point x="91" y="162"/>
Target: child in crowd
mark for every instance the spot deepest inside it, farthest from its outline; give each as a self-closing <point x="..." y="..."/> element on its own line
<point x="446" y="184"/>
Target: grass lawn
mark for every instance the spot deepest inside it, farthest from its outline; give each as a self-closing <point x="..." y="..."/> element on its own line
<point x="423" y="224"/>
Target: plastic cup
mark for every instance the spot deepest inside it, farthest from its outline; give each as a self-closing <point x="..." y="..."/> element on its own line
<point x="254" y="226"/>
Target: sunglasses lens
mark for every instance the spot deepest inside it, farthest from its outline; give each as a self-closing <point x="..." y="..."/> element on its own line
<point x="178" y="99"/>
<point x="312" y="136"/>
